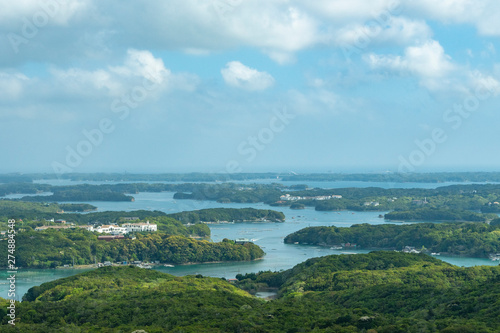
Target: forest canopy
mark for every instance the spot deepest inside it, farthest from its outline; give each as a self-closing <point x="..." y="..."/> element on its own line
<point x="385" y="292"/>
<point x="465" y="239"/>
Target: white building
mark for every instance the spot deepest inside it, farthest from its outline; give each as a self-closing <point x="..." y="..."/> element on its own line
<point x="111" y="229"/>
<point x="125" y="228"/>
<point x="288" y="197"/>
<point x="139" y="227"/>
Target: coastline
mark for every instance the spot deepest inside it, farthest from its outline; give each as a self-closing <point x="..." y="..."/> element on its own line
<point x="92" y="266"/>
<point x="445" y="254"/>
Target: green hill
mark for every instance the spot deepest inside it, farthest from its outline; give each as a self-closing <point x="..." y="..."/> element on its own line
<point x="124" y="299"/>
<point x="383" y="292"/>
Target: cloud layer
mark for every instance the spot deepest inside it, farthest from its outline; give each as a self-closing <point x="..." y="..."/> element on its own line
<point x="278" y="28"/>
<point x="187" y="70"/>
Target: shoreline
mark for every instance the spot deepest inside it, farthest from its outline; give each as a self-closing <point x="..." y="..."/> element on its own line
<point x="93" y="266"/>
<point x="429" y="253"/>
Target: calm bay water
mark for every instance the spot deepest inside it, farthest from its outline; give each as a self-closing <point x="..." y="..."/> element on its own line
<point x="269" y="236"/>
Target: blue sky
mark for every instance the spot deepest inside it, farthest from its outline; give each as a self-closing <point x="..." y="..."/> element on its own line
<point x="249" y="85"/>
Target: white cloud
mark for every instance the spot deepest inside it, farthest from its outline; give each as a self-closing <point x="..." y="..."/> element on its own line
<point x="278" y="28"/>
<point x="86" y="90"/>
<point x="240" y="76"/>
<point x="41" y="13"/>
<point x="481" y="13"/>
<point x="428" y="61"/>
<point x="480" y="81"/>
<point x="79" y="81"/>
<point x="353" y="10"/>
<point x="140" y="68"/>
<point x="12" y="85"/>
<point x="143" y="63"/>
<point x="395" y="31"/>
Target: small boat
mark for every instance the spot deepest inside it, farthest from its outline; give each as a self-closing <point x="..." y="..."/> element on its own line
<point x="168" y="265"/>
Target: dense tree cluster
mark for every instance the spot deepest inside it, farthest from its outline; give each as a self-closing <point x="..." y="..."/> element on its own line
<point x="466" y="239"/>
<point x="384" y="292"/>
<point x="228" y="215"/>
<point x="461" y="199"/>
<point x="37" y="214"/>
<point x="438" y="214"/>
<point x="79" y="195"/>
<point x="52" y="248"/>
<point x="230" y="192"/>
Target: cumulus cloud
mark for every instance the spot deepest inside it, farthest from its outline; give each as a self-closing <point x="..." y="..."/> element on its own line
<point x="428" y="61"/>
<point x="278" y="28"/>
<point x="140" y="68"/>
<point x="237" y="75"/>
<point x="481" y="13"/>
<point x="140" y="72"/>
<point x="394" y="30"/>
<point x="143" y="63"/>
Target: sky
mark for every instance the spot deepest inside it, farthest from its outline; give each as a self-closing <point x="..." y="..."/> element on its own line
<point x="249" y="86"/>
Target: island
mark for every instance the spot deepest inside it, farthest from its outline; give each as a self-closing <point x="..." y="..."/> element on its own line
<point x="478" y="240"/>
<point x="51" y="248"/>
<point x="34" y="214"/>
<point x="123" y="237"/>
<point x="217" y="215"/>
<point x="471" y="202"/>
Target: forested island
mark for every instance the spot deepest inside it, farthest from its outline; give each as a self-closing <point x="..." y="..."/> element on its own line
<point x="22" y="209"/>
<point x="473" y="203"/>
<point x="79" y="195"/>
<point x="449" y="203"/>
<point x="463" y="239"/>
<point x="439" y="214"/>
<point x="383" y="292"/>
<point x="54" y="248"/>
<point x="229" y="215"/>
<point x="37" y="214"/>
<point x="67" y="244"/>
